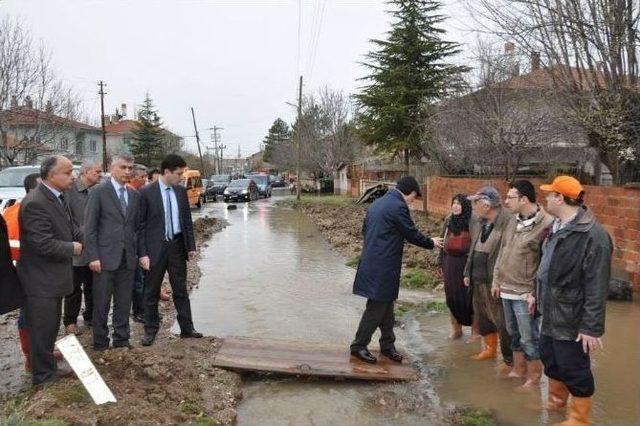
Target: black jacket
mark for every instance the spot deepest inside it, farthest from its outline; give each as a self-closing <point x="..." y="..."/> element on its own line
<point x="152" y="232"/>
<point x="386" y="226"/>
<point x="574" y="298"/>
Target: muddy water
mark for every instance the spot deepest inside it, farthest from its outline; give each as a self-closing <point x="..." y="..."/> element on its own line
<point x="270" y="274"/>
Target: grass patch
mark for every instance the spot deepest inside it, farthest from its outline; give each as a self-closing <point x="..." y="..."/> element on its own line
<point x="47" y="422"/>
<point x="419" y="279"/>
<point x="477" y="417"/>
<point x="69" y="396"/>
<point x="432" y="306"/>
<point x="353" y="262"/>
<point x="192" y="406"/>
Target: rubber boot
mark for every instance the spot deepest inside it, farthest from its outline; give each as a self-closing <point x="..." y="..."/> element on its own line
<point x="534" y="372"/>
<point x="489" y="352"/>
<point x="24" y="345"/>
<point x="558" y="395"/>
<point x="519" y="369"/>
<point x="578" y="413"/>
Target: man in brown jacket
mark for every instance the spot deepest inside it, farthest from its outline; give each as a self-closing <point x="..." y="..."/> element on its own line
<point x="486" y="229"/>
<point x="514" y="277"/>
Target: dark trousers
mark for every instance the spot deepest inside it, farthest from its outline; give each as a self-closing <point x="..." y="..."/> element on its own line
<point x="82" y="283"/>
<point x="489" y="315"/>
<point x="565" y="361"/>
<point x="43" y="315"/>
<point x="118" y="285"/>
<point x="137" y="297"/>
<point x="172" y="260"/>
<point x="376" y="315"/>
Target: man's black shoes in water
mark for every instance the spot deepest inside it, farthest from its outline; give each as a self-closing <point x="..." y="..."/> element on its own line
<point x="364" y="355"/>
<point x="393" y="355"/>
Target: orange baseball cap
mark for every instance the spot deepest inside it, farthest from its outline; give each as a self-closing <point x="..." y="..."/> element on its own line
<point x="565" y="185"/>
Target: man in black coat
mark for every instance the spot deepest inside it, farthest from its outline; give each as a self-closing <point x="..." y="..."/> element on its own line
<point x="386" y="226"/>
<point x="166" y="243"/>
<point x="48" y="242"/>
<point x="111" y="223"/>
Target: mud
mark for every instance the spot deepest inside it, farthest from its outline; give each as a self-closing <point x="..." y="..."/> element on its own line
<point x="171" y="382"/>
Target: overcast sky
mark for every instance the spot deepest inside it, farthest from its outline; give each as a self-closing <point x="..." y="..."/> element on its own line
<point x="235" y="61"/>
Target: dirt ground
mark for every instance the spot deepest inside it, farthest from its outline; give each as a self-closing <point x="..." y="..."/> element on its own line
<point x="171" y="382"/>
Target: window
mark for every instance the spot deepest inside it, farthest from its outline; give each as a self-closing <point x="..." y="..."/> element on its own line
<point x="93" y="146"/>
<point x="64" y="144"/>
<point x="79" y="148"/>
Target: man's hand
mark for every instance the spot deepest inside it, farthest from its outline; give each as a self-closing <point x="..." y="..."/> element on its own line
<point x="531" y="304"/>
<point x="95" y="266"/>
<point x="77" y="248"/>
<point x="192" y="255"/>
<point x="495" y="291"/>
<point x="145" y="263"/>
<point x="589" y="343"/>
<point x="467" y="281"/>
<point x="438" y="242"/>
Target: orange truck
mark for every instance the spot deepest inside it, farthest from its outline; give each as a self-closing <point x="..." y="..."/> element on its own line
<point x="195" y="191"/>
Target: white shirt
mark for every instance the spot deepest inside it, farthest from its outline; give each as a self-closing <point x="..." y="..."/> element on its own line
<point x="117" y="187"/>
<point x="175" y="213"/>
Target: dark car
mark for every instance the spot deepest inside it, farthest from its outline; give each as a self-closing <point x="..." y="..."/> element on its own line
<point x="241" y="189"/>
<point x="278" y="182"/>
<point x="210" y="191"/>
<point x="219" y="183"/>
<point x="264" y="184"/>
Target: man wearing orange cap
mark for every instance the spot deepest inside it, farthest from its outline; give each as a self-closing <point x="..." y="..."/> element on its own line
<point x="571" y="294"/>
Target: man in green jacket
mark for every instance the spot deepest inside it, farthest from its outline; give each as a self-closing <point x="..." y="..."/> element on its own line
<point x="572" y="283"/>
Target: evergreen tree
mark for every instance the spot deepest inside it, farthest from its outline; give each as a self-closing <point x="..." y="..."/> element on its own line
<point x="408" y="72"/>
<point x="278" y="133"/>
<point x="146" y="146"/>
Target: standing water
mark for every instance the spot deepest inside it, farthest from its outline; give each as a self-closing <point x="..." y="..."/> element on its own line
<point x="271" y="275"/>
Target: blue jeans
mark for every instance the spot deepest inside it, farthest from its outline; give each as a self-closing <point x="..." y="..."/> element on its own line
<point x="519" y="322"/>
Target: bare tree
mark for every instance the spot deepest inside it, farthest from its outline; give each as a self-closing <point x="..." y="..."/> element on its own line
<point x="35" y="105"/>
<point x="590" y="49"/>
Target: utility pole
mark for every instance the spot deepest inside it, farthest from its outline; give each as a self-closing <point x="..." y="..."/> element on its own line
<point x="215" y="139"/>
<point x="299" y="138"/>
<point x="222" y="148"/>
<point x="101" y="84"/>
<point x="193" y="115"/>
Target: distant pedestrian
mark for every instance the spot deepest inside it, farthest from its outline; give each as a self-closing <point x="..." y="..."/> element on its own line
<point x="138" y="180"/>
<point x="453" y="258"/>
<point x="77" y="197"/>
<point x="112" y="222"/>
<point x="514" y="278"/>
<point x="487" y="228"/>
<point x="153" y="175"/>
<point x="166" y="243"/>
<point x="572" y="284"/>
<point x="386" y="227"/>
<point x="48" y="242"/>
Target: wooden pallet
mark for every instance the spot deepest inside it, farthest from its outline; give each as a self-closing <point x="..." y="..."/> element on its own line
<point x="306" y="359"/>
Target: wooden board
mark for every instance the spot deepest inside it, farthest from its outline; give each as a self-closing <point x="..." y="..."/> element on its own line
<point x="306" y="359"/>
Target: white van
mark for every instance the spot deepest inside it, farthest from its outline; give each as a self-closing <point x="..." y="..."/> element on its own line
<point x="12" y="183"/>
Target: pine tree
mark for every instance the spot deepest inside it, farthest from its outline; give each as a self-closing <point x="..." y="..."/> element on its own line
<point x="407" y="73"/>
<point x="278" y="133"/>
<point x="146" y="146"/>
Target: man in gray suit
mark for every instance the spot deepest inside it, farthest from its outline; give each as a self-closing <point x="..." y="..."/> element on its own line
<point x="111" y="231"/>
<point x="48" y="242"/>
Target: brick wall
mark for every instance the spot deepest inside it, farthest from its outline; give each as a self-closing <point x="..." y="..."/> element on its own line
<point x="618" y="209"/>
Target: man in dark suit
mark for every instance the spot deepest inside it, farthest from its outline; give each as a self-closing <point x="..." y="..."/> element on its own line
<point x="166" y="243"/>
<point x="111" y="231"/>
<point x="48" y="242"/>
<point x="386" y="226"/>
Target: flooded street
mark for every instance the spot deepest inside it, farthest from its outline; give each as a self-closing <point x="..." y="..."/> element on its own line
<point x="271" y="275"/>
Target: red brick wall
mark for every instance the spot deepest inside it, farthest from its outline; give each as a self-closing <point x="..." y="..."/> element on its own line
<point x="618" y="209"/>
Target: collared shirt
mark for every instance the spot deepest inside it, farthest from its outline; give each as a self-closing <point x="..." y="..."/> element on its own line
<point x="117" y="187"/>
<point x="55" y="192"/>
<point x="175" y="218"/>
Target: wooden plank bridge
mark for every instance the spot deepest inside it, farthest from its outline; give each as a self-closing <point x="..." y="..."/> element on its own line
<point x="306" y="359"/>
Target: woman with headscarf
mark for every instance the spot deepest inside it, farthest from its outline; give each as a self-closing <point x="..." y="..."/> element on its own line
<point x="457" y="242"/>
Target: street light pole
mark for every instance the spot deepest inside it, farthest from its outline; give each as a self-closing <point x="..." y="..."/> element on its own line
<point x="299" y="144"/>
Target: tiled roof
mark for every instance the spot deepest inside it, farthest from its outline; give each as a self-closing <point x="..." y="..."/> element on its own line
<point x="26" y="116"/>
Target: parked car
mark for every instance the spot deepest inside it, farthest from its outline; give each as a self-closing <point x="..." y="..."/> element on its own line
<point x="12" y="183"/>
<point x="193" y="183"/>
<point x="264" y="184"/>
<point x="219" y="183"/>
<point x="210" y="191"/>
<point x="241" y="189"/>
<point x="278" y="182"/>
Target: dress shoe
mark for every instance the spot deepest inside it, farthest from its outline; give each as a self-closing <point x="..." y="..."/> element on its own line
<point x="392" y="354"/>
<point x="148" y="339"/>
<point x="191" y="334"/>
<point x="364" y="355"/>
<point x="100" y="348"/>
<point x="139" y="318"/>
<point x="123" y="345"/>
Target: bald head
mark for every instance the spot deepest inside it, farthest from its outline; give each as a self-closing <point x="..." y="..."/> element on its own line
<point x="57" y="172"/>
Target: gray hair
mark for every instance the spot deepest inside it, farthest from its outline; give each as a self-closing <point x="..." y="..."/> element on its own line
<point x="139" y="168"/>
<point x="88" y="165"/>
<point x="122" y="156"/>
<point x="47" y="166"/>
<point x="492" y="204"/>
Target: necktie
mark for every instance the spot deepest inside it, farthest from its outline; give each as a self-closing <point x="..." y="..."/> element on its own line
<point x="65" y="206"/>
<point x="123" y="202"/>
<point x="168" y="216"/>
